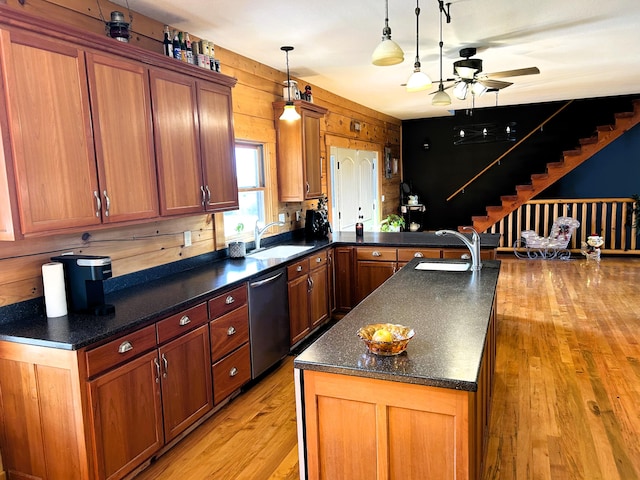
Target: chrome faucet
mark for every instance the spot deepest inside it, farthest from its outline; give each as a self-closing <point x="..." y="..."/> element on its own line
<point x="473" y="245"/>
<point x="257" y="231"/>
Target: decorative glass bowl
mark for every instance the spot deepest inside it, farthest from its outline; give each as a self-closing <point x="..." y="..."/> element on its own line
<point x="401" y="336"/>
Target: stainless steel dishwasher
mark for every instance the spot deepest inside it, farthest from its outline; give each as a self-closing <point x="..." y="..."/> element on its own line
<point x="268" y="320"/>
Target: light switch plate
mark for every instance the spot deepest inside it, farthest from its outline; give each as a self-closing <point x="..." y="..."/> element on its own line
<point x="187" y="238"/>
<point x="281" y="217"/>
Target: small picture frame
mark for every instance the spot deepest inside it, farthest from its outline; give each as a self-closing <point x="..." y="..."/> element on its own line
<point x="387" y="162"/>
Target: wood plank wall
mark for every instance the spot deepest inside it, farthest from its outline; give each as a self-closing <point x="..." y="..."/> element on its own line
<point x="135" y="248"/>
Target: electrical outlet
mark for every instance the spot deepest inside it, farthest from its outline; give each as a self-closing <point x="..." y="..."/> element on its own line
<point x="297" y="216"/>
<point x="281" y="217"/>
<point x="382" y="198"/>
<point x="187" y="238"/>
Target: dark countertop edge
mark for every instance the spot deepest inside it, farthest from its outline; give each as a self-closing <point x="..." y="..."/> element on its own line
<point x="392" y="377"/>
<point x="397" y="239"/>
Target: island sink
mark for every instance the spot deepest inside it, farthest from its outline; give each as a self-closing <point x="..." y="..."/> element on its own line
<point x="280" y="251"/>
<point x="444" y="266"/>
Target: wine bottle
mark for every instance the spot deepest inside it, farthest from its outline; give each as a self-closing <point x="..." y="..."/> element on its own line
<point x="360" y="224"/>
<point x="168" y="47"/>
<point x="189" y="49"/>
<point x="176" y="46"/>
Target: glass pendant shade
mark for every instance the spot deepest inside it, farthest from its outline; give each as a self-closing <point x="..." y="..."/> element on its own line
<point x="441" y="98"/>
<point x="387" y="53"/>
<point x="418" y="81"/>
<point x="460" y="90"/>
<point x="290" y="114"/>
<point x="478" y="89"/>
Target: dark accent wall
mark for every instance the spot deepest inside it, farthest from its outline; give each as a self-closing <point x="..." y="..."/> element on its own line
<point x="437" y="172"/>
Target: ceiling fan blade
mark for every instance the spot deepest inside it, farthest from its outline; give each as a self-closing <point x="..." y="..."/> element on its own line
<point x="496" y="84"/>
<point x="514" y="73"/>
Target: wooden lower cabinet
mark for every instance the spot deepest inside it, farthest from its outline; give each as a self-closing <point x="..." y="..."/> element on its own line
<point x="343" y="279"/>
<point x="374" y="265"/>
<point x="361" y="428"/>
<point x="308" y="289"/>
<point x="126" y="416"/>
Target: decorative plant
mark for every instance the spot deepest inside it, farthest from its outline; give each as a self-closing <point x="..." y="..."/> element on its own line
<point x="393" y="223"/>
<point x="239" y="228"/>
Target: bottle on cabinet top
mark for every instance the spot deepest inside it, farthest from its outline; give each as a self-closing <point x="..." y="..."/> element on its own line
<point x="360" y="224"/>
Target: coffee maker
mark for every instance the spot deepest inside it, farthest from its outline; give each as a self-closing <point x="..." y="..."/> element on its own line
<point x="317" y="221"/>
<point x="84" y="277"/>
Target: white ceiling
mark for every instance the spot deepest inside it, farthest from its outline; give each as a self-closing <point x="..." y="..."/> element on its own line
<point x="583" y="48"/>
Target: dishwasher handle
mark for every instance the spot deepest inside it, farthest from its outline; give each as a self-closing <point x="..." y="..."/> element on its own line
<point x="266" y="280"/>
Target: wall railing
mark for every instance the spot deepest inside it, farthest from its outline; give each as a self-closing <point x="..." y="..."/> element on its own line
<point x="612" y="218"/>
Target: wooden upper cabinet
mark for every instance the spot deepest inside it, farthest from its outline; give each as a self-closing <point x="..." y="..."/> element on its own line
<point x="299" y="152"/>
<point x="123" y="134"/>
<point x="51" y="143"/>
<point x="218" y="147"/>
<point x="177" y="143"/>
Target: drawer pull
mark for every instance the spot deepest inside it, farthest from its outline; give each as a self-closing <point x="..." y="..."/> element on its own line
<point x="125" y="347"/>
<point x="319" y="259"/>
<point x="229" y="300"/>
<point x="231" y="331"/>
<point x="233" y="372"/>
<point x="185" y="320"/>
<point x="418" y="255"/>
<point x="299" y="268"/>
<point x="376" y="253"/>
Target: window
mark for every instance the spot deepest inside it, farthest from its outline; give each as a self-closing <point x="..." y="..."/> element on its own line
<point x="251" y="191"/>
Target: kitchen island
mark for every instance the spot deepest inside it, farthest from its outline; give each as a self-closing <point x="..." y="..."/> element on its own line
<point x="421" y="414"/>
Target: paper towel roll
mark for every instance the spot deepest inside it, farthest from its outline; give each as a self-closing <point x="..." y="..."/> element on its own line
<point x="55" y="298"/>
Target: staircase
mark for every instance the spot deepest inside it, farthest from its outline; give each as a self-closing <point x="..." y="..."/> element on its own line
<point x="556" y="170"/>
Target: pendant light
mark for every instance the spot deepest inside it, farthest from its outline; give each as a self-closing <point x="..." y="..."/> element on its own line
<point x="387" y="52"/>
<point x="441" y="98"/>
<point x="418" y="80"/>
<point x="289" y="114"/>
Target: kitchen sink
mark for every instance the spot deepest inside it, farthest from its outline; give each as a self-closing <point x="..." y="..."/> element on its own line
<point x="444" y="266"/>
<point x="280" y="251"/>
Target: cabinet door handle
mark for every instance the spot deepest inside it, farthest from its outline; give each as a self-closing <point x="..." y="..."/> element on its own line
<point x="166" y="366"/>
<point x="376" y="253"/>
<point x="98" y="203"/>
<point x="125" y="347"/>
<point x="418" y="255"/>
<point x="229" y="300"/>
<point x="299" y="268"/>
<point x="233" y="372"/>
<point x="185" y="320"/>
<point x="107" y="203"/>
<point x="208" y="201"/>
<point x="310" y="284"/>
<point x="308" y="187"/>
<point x="155" y="360"/>
<point x="231" y="331"/>
<point x="204" y="195"/>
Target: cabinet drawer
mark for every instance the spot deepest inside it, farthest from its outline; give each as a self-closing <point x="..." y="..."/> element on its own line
<point x="120" y="350"/>
<point x="230" y="373"/>
<point x="182" y="322"/>
<point x="406" y="254"/>
<point x="318" y="259"/>
<point x="229" y="332"/>
<point x="376" y="254"/>
<point x="295" y="270"/>
<point x="227" y="301"/>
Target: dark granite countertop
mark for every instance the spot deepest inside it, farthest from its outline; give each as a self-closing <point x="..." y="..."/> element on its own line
<point x="450" y="313"/>
<point x="142" y="304"/>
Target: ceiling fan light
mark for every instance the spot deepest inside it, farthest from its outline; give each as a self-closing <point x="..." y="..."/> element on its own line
<point x="478" y="89"/>
<point x="441" y="98"/>
<point x="460" y="90"/>
<point x="466" y="73"/>
<point x="290" y="114"/>
<point x="418" y="81"/>
<point x="387" y="53"/>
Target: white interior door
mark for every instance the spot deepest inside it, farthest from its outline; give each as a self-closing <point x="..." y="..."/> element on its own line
<point x="354" y="174"/>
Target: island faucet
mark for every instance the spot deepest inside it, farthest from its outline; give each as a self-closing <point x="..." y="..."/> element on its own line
<point x="473" y="245"/>
<point x="257" y="232"/>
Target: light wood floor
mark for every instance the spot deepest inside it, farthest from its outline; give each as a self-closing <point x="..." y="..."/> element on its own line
<point x="567" y="391"/>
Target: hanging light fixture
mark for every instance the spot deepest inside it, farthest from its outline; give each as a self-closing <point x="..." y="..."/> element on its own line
<point x="441" y="97"/>
<point x="289" y="114"/>
<point x="418" y="80"/>
<point x="387" y="52"/>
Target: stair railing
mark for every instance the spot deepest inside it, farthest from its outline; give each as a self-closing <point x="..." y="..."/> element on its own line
<point x="516" y="145"/>
<point x="612" y="218"/>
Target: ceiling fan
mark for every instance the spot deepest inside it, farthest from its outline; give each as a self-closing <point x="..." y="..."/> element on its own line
<point x="470" y="78"/>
